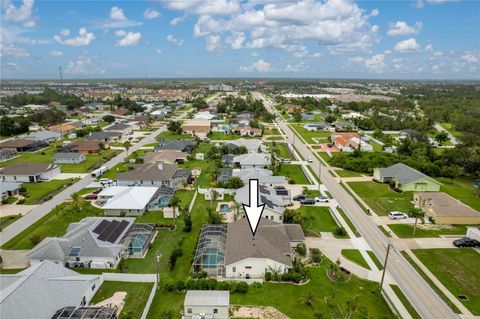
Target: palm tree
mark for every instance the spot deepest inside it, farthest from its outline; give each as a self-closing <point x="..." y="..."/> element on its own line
<point x="173" y="203"/>
<point x="416" y="213"/>
<point x="236" y="206"/>
<point x="127" y="145"/>
<point x="76" y="201"/>
<point x="215" y="196"/>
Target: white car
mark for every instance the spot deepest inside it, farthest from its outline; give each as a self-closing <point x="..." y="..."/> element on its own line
<point x="286" y="161"/>
<point x="310" y="160"/>
<point x="321" y="199"/>
<point x="397" y="215"/>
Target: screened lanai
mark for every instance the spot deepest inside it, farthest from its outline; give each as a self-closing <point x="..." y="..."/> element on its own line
<point x="210" y="253"/>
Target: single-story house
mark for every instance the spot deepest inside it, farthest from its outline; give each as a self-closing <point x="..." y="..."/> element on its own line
<point x="120" y="111"/>
<point x="131" y="201"/>
<point x="244" y="115"/>
<point x="247" y="131"/>
<point x="154" y="174"/>
<point x="22" y="145"/>
<point x="186" y="146"/>
<point x="204" y="116"/>
<point x="349" y="141"/>
<point x="45" y="136"/>
<point x="473" y="233"/>
<point x="62" y="128"/>
<point x="199" y="128"/>
<point x="252" y="145"/>
<point x="119" y="128"/>
<point x="93" y="120"/>
<point x="29" y="173"/>
<point x="224" y="175"/>
<point x="87" y="147"/>
<point x="227" y="160"/>
<point x="213" y="304"/>
<point x="9" y="189"/>
<point x="444" y="209"/>
<point x="274" y="203"/>
<point x="318" y="126"/>
<point x="345" y="127"/>
<point x="104" y="136"/>
<point x="68" y="158"/>
<point x="406" y="178"/>
<point x="253" y="160"/>
<point x="168" y="157"/>
<point x="5" y="155"/>
<point x="307" y="116"/>
<point x="95" y="242"/>
<point x="265" y="177"/>
<point x="40" y="290"/>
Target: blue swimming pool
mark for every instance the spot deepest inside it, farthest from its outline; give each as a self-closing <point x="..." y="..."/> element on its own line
<point x="137" y="243"/>
<point x="224" y="208"/>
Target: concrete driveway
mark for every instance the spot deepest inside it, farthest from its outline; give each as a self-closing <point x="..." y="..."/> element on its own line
<point x="426" y="243"/>
<point x="14" y="259"/>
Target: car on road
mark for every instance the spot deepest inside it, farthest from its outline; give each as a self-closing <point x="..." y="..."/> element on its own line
<point x="322" y="199"/>
<point x="299" y="197"/>
<point x="309" y="159"/>
<point x="466" y="242"/>
<point x="397" y="215"/>
<point x="307" y="201"/>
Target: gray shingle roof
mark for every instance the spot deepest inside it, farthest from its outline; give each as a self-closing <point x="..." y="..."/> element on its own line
<point x="207" y="298"/>
<point x="9" y="186"/>
<point x="404" y="174"/>
<point x="117" y="127"/>
<point x="268" y="197"/>
<point x="27" y="169"/>
<point x="43" y="135"/>
<point x="149" y="171"/>
<point x="57" y="156"/>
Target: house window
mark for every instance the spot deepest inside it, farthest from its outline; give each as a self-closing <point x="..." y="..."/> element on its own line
<point x="215" y="310"/>
<point x="280" y="218"/>
<point x="234" y="269"/>
<point x="271" y="217"/>
<point x="93" y="287"/>
<point x="248" y="267"/>
<point x="189" y="310"/>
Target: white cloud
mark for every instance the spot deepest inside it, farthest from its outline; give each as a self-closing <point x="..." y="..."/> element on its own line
<point x="429" y="48"/>
<point x="339" y="25"/>
<point x="470" y="58"/>
<point x="296" y="68"/>
<point x="374" y="13"/>
<point x="151" y="14"/>
<point x="177" y="20"/>
<point x="402" y="28"/>
<point x="259" y="66"/>
<point x="375" y="63"/>
<point x="128" y="39"/>
<point x="22" y="14"/>
<point x="14" y="51"/>
<point x="82" y="66"/>
<point x="213" y="43"/>
<point x="174" y="40"/>
<point x="409" y="45"/>
<point x="116" y="13"/>
<point x="158" y="51"/>
<point x="236" y="40"/>
<point x="65" y="32"/>
<point x="83" y="38"/>
<point x="10" y="66"/>
<point x="55" y="53"/>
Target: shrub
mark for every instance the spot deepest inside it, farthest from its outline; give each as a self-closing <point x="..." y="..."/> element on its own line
<point x="340" y="232"/>
<point x="256" y="284"/>
<point x="316" y="255"/>
<point x="241" y="287"/>
<point x="301" y="249"/>
<point x="180" y="285"/>
<point x="21" y="201"/>
<point x="188" y="223"/>
<point x="169" y="285"/>
<point x="35" y="239"/>
<point x="268" y="276"/>
<point x="177" y="252"/>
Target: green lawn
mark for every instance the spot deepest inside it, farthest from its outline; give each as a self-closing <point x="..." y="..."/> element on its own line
<point x="281" y="149"/>
<point x="381" y="199"/>
<point x="43" y="156"/>
<point x="322" y="136"/>
<point x="376" y="147"/>
<point x="349" y="222"/>
<point x="135" y="301"/>
<point x="271" y="131"/>
<point x="167" y="135"/>
<point x="406" y="231"/>
<point x="318" y="219"/>
<point x="7" y="220"/>
<point x="405" y="302"/>
<point x="37" y="191"/>
<point x="355" y="256"/>
<point x="328" y="297"/>
<point x="92" y="161"/>
<point x="458" y="270"/>
<point x="53" y="224"/>
<point x="462" y="189"/>
<point x="221" y="136"/>
<point x="375" y="259"/>
<point x="347" y="173"/>
<point x="449" y="128"/>
<point x="293" y="172"/>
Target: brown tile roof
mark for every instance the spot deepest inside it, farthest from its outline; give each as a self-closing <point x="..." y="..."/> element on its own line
<point x="149" y="171"/>
<point x="62" y="128"/>
<point x="87" y="145"/>
<point x="27" y="169"/>
<point x="17" y="143"/>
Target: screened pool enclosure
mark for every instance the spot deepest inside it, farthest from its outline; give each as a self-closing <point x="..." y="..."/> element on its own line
<point x="210" y="253"/>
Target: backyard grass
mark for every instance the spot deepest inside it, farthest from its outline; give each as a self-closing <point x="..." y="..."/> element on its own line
<point x="376" y="147"/>
<point x="405" y="302"/>
<point x="449" y="128"/>
<point x="461" y="189"/>
<point x="321" y="136"/>
<point x="406" y="231"/>
<point x="281" y="149"/>
<point x="135" y="301"/>
<point x="221" y="136"/>
<point x="37" y="191"/>
<point x="328" y="297"/>
<point x="458" y="270"/>
<point x="381" y="199"/>
<point x="294" y="173"/>
<point x="53" y="224"/>
<point x="355" y="256"/>
<point x="318" y="219"/>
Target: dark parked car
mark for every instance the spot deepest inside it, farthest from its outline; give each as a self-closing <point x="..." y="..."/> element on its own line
<point x="466" y="242"/>
<point x="299" y="197"/>
<point x="90" y="197"/>
<point x="307" y="201"/>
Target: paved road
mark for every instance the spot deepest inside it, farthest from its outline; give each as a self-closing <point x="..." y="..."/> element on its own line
<point x="439" y="128"/>
<point x="42" y="210"/>
<point x="427" y="303"/>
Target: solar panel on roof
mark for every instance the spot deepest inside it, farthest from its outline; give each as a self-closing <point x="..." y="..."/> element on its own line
<point x="117" y="231"/>
<point x="108" y="230"/>
<point x="101" y="227"/>
<point x="75" y="251"/>
<point x="282" y="192"/>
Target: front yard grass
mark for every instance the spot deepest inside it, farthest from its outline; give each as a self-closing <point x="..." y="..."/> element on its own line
<point x="355" y="256"/>
<point x="135" y="301"/>
<point x="321" y="136"/>
<point x="91" y="161"/>
<point x="37" y="191"/>
<point x="294" y="173"/>
<point x="462" y="189"/>
<point x="328" y="298"/>
<point x="347" y="173"/>
<point x="168" y="136"/>
<point x="318" y="219"/>
<point x="458" y="270"/>
<point x="281" y="149"/>
<point x="381" y="199"/>
<point x="406" y="231"/>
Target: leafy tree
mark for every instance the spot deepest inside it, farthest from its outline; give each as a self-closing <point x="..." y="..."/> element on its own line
<point x="173" y="203"/>
<point x="297" y="115"/>
<point x="442" y="137"/>
<point x="188" y="223"/>
<point x="416" y="213"/>
<point x="127" y="145"/>
<point x="109" y="119"/>
<point x="199" y="103"/>
<point x="174" y="127"/>
<point x="235" y="182"/>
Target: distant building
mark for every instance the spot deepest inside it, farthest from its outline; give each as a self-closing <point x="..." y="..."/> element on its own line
<point x="252" y="160"/>
<point x="318" y="126"/>
<point x="198" y="128"/>
<point x="68" y="158"/>
<point x="104" y="136"/>
<point x="274" y="203"/>
<point x="406" y="178"/>
<point x="87" y="147"/>
<point x="349" y="141"/>
<point x="212" y="304"/>
<point x="186" y="146"/>
<point x="168" y="157"/>
<point x="29" y="173"/>
<point x="220" y="87"/>
<point x="45" y="136"/>
<point x="22" y="145"/>
<point x="345" y="127"/>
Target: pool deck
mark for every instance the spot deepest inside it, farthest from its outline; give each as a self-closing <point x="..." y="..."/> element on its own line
<point x="228" y="217"/>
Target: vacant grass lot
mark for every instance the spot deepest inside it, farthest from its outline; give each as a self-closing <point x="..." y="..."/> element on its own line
<point x="355" y="256"/>
<point x="347" y="173"/>
<point x="317" y="219"/>
<point x="270" y="131"/>
<point x="167" y="136"/>
<point x="221" y="136"/>
<point x="381" y="199"/>
<point x="406" y="231"/>
<point x="328" y="298"/>
<point x="53" y="224"/>
<point x="458" y="270"/>
<point x="281" y="149"/>
<point x="322" y="136"/>
<point x="37" y="191"/>
<point x="135" y="301"/>
<point x="294" y="173"/>
<point x="461" y="189"/>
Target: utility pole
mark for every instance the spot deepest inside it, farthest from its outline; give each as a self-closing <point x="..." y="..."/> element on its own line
<point x="61" y="76"/>
<point x="319" y="174"/>
<point x="385" y="265"/>
<point x="158" y="269"/>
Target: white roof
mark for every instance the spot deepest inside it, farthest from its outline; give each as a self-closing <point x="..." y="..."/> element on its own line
<point x="203" y="116"/>
<point x="207" y="298"/>
<point x="125" y="197"/>
<point x="253" y="159"/>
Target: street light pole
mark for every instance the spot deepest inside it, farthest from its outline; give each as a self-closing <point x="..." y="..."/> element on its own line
<point x="385" y="265"/>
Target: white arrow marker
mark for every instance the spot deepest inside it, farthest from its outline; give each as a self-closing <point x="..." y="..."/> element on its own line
<point x="253" y="210"/>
